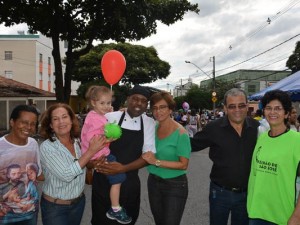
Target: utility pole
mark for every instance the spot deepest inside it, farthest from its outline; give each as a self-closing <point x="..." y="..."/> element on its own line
<point x="181" y="87"/>
<point x="214" y="83"/>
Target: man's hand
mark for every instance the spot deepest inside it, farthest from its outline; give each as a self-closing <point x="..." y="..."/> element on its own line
<point x="108" y="168"/>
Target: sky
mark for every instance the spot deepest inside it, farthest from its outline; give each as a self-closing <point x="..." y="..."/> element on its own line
<point x="236" y="33"/>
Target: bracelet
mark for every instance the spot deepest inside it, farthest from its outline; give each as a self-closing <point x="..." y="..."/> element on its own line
<point x="157" y="163"/>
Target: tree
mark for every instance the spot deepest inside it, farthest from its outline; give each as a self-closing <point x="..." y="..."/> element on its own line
<point x="201" y="97"/>
<point x="142" y="64"/>
<point x="293" y="62"/>
<point x="81" y="22"/>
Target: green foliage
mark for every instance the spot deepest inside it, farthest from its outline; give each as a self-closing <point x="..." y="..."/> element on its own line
<point x="81" y="22"/>
<point x="221" y="87"/>
<point x="142" y="64"/>
<point x="293" y="62"/>
<point x="179" y="100"/>
<point x="120" y="92"/>
<point x="201" y="98"/>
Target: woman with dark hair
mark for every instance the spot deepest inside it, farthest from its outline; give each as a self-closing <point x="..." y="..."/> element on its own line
<point x="17" y="149"/>
<point x="271" y="190"/>
<point x="63" y="166"/>
<point x="167" y="181"/>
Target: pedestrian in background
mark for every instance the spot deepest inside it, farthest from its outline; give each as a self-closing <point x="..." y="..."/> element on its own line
<point x="192" y="123"/>
<point x="167" y="181"/>
<point x="271" y="196"/>
<point x="292" y="120"/>
<point x="63" y="199"/>
<point x="231" y="139"/>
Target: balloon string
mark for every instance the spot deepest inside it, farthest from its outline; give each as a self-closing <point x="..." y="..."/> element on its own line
<point x="111" y="87"/>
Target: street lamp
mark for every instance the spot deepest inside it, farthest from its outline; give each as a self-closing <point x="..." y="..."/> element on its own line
<point x="213" y="82"/>
<point x="198" y="68"/>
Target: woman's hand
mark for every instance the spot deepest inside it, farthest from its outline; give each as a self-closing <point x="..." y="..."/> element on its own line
<point x="149" y="157"/>
<point x="97" y="143"/>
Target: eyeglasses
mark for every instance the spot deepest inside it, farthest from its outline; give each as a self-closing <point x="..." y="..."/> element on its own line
<point x="276" y="109"/>
<point x="233" y="107"/>
<point x="160" y="108"/>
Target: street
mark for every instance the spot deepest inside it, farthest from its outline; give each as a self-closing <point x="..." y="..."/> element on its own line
<point x="196" y="210"/>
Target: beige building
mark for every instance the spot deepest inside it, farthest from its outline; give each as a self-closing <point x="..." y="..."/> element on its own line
<point x="27" y="58"/>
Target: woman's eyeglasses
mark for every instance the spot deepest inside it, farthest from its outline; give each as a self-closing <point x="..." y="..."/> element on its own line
<point x="275" y="109"/>
<point x="159" y="108"/>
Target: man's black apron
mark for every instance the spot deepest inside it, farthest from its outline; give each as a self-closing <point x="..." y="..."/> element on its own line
<point x="126" y="149"/>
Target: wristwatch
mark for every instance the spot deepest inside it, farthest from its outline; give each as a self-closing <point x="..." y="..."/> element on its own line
<point x="157" y="163"/>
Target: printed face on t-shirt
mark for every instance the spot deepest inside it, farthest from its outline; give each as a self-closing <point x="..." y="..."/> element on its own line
<point x="15" y="175"/>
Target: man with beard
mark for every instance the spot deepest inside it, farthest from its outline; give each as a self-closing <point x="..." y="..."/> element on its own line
<point x="138" y="132"/>
<point x="14" y="180"/>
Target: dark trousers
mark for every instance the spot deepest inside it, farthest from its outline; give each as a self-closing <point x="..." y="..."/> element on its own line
<point x="129" y="199"/>
<point x="55" y="214"/>
<point x="260" y="222"/>
<point x="32" y="221"/>
<point x="223" y="202"/>
<point x="167" y="199"/>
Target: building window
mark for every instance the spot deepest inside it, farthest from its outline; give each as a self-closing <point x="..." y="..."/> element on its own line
<point x="8" y="74"/>
<point x="41" y="80"/>
<point x="49" y="60"/>
<point x="65" y="44"/>
<point x="8" y="55"/>
<point x="251" y="88"/>
<point x="41" y="58"/>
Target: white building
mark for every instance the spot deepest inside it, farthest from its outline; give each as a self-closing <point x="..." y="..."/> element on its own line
<point x="182" y="89"/>
<point x="27" y="58"/>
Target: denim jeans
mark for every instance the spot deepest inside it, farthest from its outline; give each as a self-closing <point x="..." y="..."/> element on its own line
<point x="32" y="221"/>
<point x="260" y="222"/>
<point x="222" y="202"/>
<point x="55" y="214"/>
<point x="167" y="198"/>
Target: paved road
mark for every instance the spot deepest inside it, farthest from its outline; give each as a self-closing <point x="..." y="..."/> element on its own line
<point x="196" y="210"/>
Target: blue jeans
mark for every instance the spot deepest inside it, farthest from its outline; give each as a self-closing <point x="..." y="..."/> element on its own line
<point x="167" y="198"/>
<point x="55" y="214"/>
<point x="260" y="222"/>
<point x="222" y="202"/>
<point x="32" y="221"/>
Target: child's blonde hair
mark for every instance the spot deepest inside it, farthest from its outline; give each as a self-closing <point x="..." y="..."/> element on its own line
<point x="94" y="91"/>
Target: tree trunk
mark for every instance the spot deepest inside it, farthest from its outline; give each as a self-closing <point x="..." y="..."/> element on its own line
<point x="58" y="69"/>
<point x="69" y="71"/>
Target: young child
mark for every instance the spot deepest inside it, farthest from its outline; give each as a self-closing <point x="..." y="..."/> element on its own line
<point x="99" y="99"/>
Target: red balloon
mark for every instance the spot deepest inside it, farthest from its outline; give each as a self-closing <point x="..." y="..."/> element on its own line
<point x="113" y="65"/>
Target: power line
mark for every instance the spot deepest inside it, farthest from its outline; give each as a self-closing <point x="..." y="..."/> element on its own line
<point x="259" y="54"/>
<point x="251" y="34"/>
